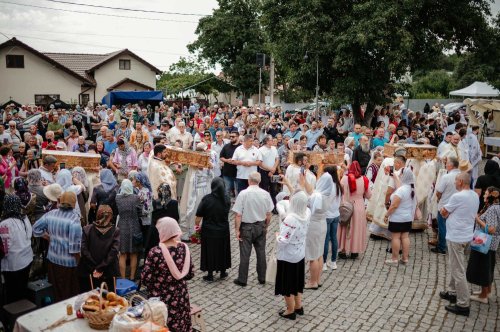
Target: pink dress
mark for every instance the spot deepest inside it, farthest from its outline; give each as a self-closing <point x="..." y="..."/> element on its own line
<point x="357" y="239"/>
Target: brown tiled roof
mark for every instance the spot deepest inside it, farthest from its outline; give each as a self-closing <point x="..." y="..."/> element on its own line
<point x="80" y="63"/>
<point x="128" y="80"/>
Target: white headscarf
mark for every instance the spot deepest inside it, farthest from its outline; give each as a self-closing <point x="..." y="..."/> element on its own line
<point x="298" y="207"/>
<point x="324" y="187"/>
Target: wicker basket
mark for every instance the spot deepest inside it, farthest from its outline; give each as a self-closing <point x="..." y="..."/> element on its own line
<point x="101" y="319"/>
<point x="188" y="157"/>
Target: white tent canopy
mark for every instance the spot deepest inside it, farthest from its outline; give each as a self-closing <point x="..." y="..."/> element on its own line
<point x="477" y="89"/>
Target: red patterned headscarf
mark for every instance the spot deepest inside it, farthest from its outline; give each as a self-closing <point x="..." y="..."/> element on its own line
<point x="353" y="174"/>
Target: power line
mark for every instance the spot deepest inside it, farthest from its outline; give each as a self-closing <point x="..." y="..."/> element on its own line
<point x="126" y="9"/>
<point x="95" y="45"/>
<point x="103" y="35"/>
<point x="98" y="14"/>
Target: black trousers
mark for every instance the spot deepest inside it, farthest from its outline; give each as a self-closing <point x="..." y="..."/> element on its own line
<point x="267" y="185"/>
<point x="16" y="283"/>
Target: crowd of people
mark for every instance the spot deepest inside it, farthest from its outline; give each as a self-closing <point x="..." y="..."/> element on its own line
<point x="132" y="216"/>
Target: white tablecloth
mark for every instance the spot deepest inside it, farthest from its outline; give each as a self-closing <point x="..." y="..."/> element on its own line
<point x="39" y="319"/>
<point x="492" y="141"/>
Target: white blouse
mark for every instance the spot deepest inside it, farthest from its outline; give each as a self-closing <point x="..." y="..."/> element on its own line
<point x="291" y="240"/>
<point x="16" y="238"/>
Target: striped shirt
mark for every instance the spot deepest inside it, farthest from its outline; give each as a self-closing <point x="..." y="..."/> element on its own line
<point x="65" y="231"/>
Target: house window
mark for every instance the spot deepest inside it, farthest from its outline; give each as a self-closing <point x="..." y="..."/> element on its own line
<point x="124" y="64"/>
<point x="45" y="99"/>
<point x="14" y="61"/>
<point x="85" y="99"/>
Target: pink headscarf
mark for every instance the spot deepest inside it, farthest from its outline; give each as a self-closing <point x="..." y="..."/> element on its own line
<point x="167" y="229"/>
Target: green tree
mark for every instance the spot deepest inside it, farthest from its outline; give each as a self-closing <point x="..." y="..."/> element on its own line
<point x="437" y="83"/>
<point x="364" y="47"/>
<point x="231" y="37"/>
<point x="483" y="62"/>
<point x="189" y="73"/>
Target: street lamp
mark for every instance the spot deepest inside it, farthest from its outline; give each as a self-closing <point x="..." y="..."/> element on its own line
<point x="306" y="59"/>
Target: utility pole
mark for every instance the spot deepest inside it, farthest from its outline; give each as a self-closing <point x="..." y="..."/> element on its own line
<point x="271" y="81"/>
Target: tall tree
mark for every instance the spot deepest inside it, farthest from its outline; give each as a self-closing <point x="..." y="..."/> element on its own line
<point x="364" y="46"/>
<point x="231" y="37"/>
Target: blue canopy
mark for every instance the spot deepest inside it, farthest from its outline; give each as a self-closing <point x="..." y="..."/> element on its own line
<point x="124" y="97"/>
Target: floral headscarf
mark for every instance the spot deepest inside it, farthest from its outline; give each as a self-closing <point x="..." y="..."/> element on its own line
<point x="164" y="194"/>
<point x="12" y="207"/>
<point x="79" y="173"/>
<point x="34" y="177"/>
<point x="21" y="189"/>
<point x="103" y="220"/>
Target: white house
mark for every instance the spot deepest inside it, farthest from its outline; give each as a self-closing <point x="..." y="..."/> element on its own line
<point x="32" y="77"/>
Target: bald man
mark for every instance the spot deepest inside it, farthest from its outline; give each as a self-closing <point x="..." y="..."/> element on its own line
<point x="460" y="213"/>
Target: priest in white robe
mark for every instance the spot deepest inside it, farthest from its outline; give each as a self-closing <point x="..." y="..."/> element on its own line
<point x="159" y="171"/>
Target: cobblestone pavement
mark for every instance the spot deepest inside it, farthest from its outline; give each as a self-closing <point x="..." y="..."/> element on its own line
<point x="361" y="295"/>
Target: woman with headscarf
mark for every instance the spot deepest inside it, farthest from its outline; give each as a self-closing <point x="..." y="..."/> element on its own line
<point x="490" y="178"/>
<point x="15" y="232"/>
<point x="352" y="236"/>
<point x="349" y="146"/>
<point x="80" y="174"/>
<point x="28" y="200"/>
<point x="215" y="241"/>
<point x="100" y="248"/>
<point x="481" y="267"/>
<point x="131" y="240"/>
<point x="290" y="255"/>
<point x="36" y="188"/>
<point x="70" y="183"/>
<point x="164" y="206"/>
<point x="141" y="183"/>
<point x="319" y="202"/>
<point x="400" y="215"/>
<point x="104" y="193"/>
<point x="167" y="268"/>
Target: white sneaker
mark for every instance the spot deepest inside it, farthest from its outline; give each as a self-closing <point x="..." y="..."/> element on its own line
<point x="325" y="267"/>
<point x="332" y="265"/>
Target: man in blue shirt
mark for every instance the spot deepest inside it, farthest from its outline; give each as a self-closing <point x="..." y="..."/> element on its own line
<point x="356" y="134"/>
<point x="63" y="228"/>
<point x="380" y="140"/>
<point x="313" y="134"/>
<point x="110" y="143"/>
<point x="293" y="132"/>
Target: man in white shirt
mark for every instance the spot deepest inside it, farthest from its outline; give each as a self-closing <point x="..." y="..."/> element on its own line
<point x="460" y="212"/>
<point x="185" y="137"/>
<point x="246" y="157"/>
<point x="47" y="170"/>
<point x="268" y="167"/>
<point x="442" y="146"/>
<point x="253" y="208"/>
<point x="445" y="188"/>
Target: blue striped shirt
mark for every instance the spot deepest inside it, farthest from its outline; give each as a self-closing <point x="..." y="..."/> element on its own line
<point x="65" y="232"/>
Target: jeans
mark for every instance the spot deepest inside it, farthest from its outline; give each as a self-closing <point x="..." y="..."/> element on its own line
<point x="241" y="184"/>
<point x="230" y="183"/>
<point x="441" y="245"/>
<point x="331" y="236"/>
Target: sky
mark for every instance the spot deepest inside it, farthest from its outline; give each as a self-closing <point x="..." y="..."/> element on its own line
<point x="160" y="38"/>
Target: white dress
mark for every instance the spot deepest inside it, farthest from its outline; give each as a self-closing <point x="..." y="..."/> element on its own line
<point x="316" y="233"/>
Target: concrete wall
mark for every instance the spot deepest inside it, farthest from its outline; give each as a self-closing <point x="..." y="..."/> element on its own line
<point x="110" y="74"/>
<point x="37" y="77"/>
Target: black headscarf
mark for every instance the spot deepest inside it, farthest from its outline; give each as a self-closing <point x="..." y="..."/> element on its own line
<point x="491" y="167"/>
<point x="219" y="190"/>
<point x="12" y="207"/>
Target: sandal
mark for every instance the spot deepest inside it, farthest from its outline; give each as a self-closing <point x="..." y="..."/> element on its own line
<point x="403" y="262"/>
<point x="392" y="262"/>
<point x="307" y="286"/>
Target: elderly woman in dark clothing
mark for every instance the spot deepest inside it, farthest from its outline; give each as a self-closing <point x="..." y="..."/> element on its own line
<point x="35" y="187"/>
<point x="215" y="242"/>
<point x="164" y="206"/>
<point x="491" y="178"/>
<point x="100" y="246"/>
<point x="105" y="193"/>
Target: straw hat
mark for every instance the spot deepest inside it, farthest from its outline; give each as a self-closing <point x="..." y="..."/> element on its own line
<point x="464" y="166"/>
<point x="53" y="191"/>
